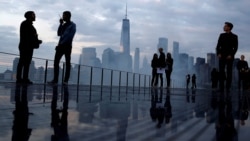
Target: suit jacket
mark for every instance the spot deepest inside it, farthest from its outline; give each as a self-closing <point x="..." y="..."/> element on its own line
<point x="227" y="44"/>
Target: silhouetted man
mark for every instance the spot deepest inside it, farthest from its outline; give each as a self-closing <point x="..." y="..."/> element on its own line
<point x="59" y="117"/>
<point x="242" y="67"/>
<point x="66" y="31"/>
<point x="20" y="128"/>
<point x="28" y="42"/>
<point x="226" y="48"/>
<point x="161" y="66"/>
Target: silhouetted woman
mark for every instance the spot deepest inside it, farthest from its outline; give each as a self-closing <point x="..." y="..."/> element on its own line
<point x="154" y="70"/>
<point x="169" y="68"/>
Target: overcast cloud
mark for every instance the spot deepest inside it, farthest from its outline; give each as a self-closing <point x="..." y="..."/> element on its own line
<point x="195" y="24"/>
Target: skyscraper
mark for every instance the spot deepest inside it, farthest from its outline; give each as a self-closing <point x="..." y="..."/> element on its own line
<point x="125" y="35"/>
<point x="176" y="51"/>
<point x="136" y="60"/>
<point x="109" y="59"/>
<point x="163" y="43"/>
<point x="212" y="59"/>
<point x="124" y="58"/>
<point x="88" y="57"/>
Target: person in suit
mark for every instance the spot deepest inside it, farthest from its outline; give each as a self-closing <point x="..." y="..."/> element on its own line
<point x="242" y="67"/>
<point x="66" y="31"/>
<point x="28" y="42"/>
<point x="226" y="49"/>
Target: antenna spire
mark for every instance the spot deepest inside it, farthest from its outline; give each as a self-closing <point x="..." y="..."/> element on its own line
<point x="126" y="12"/>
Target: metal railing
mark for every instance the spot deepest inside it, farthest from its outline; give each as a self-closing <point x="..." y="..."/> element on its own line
<point x="41" y="71"/>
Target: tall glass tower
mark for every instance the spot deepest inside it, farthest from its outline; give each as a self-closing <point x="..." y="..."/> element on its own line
<point x="125" y="36"/>
<point x="163" y="43"/>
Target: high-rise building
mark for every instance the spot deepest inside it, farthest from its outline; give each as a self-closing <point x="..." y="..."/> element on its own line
<point x="136" y="60"/>
<point x="163" y="43"/>
<point x="88" y="57"/>
<point x="190" y="62"/>
<point x="124" y="58"/>
<point x="212" y="60"/>
<point x="125" y="36"/>
<point x="176" y="50"/>
<point x="200" y="61"/>
<point x="109" y="59"/>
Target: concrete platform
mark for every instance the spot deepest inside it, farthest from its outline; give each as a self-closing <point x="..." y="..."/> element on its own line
<point x="71" y="113"/>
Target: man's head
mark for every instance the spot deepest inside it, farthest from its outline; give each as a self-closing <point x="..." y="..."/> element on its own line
<point x="160" y="49"/>
<point x="228" y="26"/>
<point x="66" y="16"/>
<point x="242" y="57"/>
<point x="30" y="15"/>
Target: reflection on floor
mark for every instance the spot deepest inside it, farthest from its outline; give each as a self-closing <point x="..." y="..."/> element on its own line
<point x="71" y="113"/>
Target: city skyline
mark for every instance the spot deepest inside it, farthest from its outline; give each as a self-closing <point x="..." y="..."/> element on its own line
<point x="194" y="24"/>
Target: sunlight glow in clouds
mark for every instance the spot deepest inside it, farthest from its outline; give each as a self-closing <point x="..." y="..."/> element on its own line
<point x="195" y="24"/>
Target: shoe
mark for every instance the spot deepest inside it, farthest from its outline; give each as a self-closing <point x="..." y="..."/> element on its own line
<point x="53" y="82"/>
<point x="65" y="83"/>
<point x="27" y="81"/>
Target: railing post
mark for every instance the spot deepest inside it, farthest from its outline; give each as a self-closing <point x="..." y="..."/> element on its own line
<point x="101" y="82"/>
<point x="90" y="83"/>
<point x="46" y="70"/>
<point x="119" y="82"/>
<point x="127" y="84"/>
<point x="133" y="82"/>
<point x="139" y="82"/>
<point x="149" y="81"/>
<point x="78" y="82"/>
<point x="111" y="83"/>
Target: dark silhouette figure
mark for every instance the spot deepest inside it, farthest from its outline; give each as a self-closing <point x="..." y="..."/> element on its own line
<point x="28" y="42"/>
<point x="225" y="128"/>
<point x="226" y="48"/>
<point x="167" y="105"/>
<point x="169" y="68"/>
<point x="242" y="112"/>
<point x="187" y="80"/>
<point x="21" y="131"/>
<point x="154" y="70"/>
<point x="161" y="66"/>
<point x="160" y="111"/>
<point x="193" y="95"/>
<point x="214" y="78"/>
<point x="59" y="117"/>
<point x="242" y="67"/>
<point x="193" y="81"/>
<point x="66" y="31"/>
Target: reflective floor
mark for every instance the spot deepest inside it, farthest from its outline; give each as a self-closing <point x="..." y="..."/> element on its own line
<point x="71" y="113"/>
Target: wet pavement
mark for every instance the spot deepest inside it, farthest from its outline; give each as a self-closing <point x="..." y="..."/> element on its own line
<point x="71" y="113"/>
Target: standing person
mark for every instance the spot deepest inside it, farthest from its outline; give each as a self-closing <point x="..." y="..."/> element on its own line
<point x="66" y="31"/>
<point x="169" y="68"/>
<point x="154" y="70"/>
<point x="28" y="42"/>
<point x="226" y="48"/>
<point x="161" y="65"/>
<point x="193" y="81"/>
<point x="214" y="78"/>
<point x="187" y="80"/>
<point x="242" y="67"/>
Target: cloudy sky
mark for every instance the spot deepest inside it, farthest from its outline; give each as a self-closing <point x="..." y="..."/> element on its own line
<point x="195" y="24"/>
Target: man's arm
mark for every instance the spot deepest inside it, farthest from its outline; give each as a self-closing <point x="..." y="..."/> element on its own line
<point x="235" y="44"/>
<point x="68" y="34"/>
<point x="218" y="46"/>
